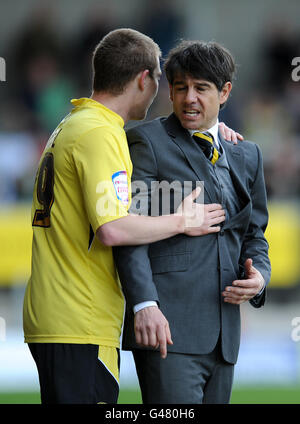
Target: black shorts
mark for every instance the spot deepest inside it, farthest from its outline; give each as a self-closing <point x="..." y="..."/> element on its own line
<point x="74" y="373"/>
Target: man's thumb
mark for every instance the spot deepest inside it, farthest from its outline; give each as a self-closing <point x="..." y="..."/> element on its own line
<point x="248" y="265"/>
<point x="195" y="193"/>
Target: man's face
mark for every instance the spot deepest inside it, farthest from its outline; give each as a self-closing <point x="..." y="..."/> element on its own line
<point x="196" y="102"/>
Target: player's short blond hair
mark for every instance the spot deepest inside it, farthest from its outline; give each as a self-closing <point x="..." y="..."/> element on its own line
<point x="120" y="56"/>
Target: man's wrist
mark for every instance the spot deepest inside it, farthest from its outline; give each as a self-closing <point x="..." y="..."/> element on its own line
<point x="143" y="305"/>
<point x="262" y="288"/>
<point x="179" y="222"/>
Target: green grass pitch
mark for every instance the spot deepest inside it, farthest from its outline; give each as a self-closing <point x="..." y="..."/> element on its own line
<point x="240" y="395"/>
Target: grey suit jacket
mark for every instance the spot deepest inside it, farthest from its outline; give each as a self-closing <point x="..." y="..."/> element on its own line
<point x="186" y="275"/>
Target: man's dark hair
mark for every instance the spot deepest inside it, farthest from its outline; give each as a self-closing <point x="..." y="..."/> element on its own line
<point x="120" y="56"/>
<point x="202" y="60"/>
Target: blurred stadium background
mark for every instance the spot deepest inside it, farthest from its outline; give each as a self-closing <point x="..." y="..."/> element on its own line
<point x="47" y="48"/>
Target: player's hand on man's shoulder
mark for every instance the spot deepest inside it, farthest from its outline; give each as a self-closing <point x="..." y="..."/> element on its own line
<point x="229" y="134"/>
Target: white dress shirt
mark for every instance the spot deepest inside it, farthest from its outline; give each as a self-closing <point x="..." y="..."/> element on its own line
<point x="214" y="130"/>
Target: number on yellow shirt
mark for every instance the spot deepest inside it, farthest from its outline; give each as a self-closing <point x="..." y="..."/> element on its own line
<point x="45" y="192"/>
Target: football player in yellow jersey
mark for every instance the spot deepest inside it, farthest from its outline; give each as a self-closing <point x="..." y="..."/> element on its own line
<point x="73" y="305"/>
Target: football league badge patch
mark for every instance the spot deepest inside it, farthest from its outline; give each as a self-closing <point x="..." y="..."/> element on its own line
<point x="120" y="183"/>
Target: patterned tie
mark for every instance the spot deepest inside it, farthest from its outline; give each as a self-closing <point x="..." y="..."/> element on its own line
<point x="206" y="142"/>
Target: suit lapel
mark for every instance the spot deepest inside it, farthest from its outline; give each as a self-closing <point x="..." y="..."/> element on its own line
<point x="198" y="162"/>
<point x="236" y="161"/>
<point x="194" y="156"/>
<point x="234" y="155"/>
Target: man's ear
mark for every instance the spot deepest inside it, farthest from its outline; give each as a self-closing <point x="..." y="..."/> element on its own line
<point x="142" y="79"/>
<point x="171" y="92"/>
<point x="224" y="93"/>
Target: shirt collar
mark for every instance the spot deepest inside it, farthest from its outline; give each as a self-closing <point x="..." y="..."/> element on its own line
<point x="213" y="130"/>
<point x="110" y="115"/>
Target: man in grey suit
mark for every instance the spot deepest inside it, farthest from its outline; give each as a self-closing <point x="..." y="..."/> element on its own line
<point x="183" y="294"/>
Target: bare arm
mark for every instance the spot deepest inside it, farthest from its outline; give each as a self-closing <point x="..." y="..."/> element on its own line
<point x="191" y="218"/>
<point x="139" y="229"/>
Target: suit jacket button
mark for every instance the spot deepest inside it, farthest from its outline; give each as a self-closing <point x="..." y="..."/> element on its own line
<point x="222" y="233"/>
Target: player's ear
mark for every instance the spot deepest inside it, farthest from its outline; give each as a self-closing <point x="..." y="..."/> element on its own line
<point x="142" y="79"/>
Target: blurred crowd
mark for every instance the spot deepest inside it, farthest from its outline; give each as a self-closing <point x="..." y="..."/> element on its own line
<point x="45" y="69"/>
<point x="272" y="112"/>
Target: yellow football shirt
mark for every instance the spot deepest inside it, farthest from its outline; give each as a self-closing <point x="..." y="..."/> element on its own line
<point x="83" y="182"/>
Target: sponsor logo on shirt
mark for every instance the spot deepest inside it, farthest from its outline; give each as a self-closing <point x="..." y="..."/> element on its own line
<point x="120" y="183"/>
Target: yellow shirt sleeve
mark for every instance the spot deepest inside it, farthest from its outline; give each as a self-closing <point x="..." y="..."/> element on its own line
<point x="104" y="179"/>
